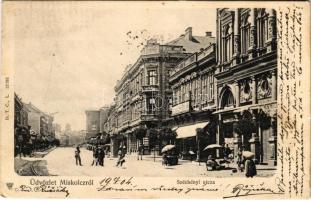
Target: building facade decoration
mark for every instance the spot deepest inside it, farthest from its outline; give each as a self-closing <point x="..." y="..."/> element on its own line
<point x="246" y="81"/>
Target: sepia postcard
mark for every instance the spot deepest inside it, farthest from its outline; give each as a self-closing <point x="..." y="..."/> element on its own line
<point x="161" y="99"/>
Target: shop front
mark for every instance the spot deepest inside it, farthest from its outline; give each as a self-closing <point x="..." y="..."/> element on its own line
<point x="250" y="128"/>
<point x="192" y="139"/>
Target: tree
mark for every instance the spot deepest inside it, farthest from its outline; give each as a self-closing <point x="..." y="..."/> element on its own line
<point x="153" y="137"/>
<point x="140" y="133"/>
<point x="168" y="135"/>
<point x="245" y="127"/>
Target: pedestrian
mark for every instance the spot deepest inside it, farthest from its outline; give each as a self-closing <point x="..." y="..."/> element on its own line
<point x="250" y="168"/>
<point x="101" y="156"/>
<point x="77" y="156"/>
<point x="211" y="164"/>
<point x="95" y="156"/>
<point x="164" y="159"/>
<point x="140" y="152"/>
<point x="121" y="156"/>
<point x="240" y="160"/>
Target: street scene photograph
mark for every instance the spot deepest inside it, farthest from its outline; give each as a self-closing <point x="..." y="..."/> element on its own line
<point x="145" y="92"/>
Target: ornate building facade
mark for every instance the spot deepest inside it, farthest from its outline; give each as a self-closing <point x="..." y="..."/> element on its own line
<point x="246" y="89"/>
<point x="192" y="81"/>
<point x="144" y="94"/>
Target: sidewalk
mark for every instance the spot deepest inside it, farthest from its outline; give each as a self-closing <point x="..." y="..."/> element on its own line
<point x="32" y="166"/>
<point x="41" y="154"/>
<point x="262" y="170"/>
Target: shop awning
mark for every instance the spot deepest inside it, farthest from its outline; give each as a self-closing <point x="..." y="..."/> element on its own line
<point x="189" y="131"/>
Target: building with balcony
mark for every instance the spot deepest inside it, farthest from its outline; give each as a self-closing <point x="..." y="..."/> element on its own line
<point x="193" y="85"/>
<point x="246" y="90"/>
<point x="144" y="94"/>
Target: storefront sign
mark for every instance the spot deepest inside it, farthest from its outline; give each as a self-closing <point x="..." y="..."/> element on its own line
<point x="181" y="108"/>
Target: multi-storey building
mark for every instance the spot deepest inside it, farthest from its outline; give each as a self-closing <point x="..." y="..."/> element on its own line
<point x="92" y="123"/>
<point x="103" y="116"/>
<point x="143" y="95"/>
<point x="41" y="123"/>
<point x="192" y="81"/>
<point x="246" y="90"/>
<point x="21" y="127"/>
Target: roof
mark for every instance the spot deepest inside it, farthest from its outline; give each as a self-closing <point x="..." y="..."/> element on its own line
<point x="30" y="107"/>
<point x="194" y="44"/>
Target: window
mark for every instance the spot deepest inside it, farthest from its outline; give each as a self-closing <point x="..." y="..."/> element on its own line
<point x="262" y="28"/>
<point x="204" y="89"/>
<point x="227" y="41"/>
<point x="182" y="93"/>
<point x="227" y="99"/>
<point x="195" y="91"/>
<point x="151" y="105"/>
<point x="152" y="77"/>
<point x="179" y="95"/>
<point x="211" y="87"/>
<point x="245" y="34"/>
<point x="94" y="127"/>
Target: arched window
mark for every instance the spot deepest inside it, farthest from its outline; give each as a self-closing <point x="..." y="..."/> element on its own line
<point x="227" y="99"/>
<point x="262" y="28"/>
<point x="245" y="34"/>
<point x="227" y="41"/>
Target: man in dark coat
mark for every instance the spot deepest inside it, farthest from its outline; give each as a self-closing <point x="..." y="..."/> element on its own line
<point x="77" y="156"/>
<point x="101" y="156"/>
<point x="250" y="168"/>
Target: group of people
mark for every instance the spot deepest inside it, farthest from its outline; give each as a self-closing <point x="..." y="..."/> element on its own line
<point x="245" y="163"/>
<point x="98" y="156"/>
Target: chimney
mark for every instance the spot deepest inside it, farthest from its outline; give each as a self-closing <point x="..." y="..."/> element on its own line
<point x="188" y="33"/>
<point x="208" y="34"/>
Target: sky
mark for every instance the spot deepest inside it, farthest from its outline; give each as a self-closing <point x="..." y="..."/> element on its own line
<point x="69" y="55"/>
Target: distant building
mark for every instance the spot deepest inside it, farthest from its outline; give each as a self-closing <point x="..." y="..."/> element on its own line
<point x="57" y="129"/>
<point x="64" y="140"/>
<point x="92" y="123"/>
<point x="103" y="116"/>
<point x="40" y="122"/>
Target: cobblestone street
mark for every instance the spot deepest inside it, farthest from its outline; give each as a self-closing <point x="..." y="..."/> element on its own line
<point x="61" y="161"/>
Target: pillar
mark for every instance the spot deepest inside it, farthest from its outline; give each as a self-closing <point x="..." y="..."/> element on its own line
<point x="237" y="141"/>
<point x="254" y="90"/>
<point x="253" y="35"/>
<point x="255" y="143"/>
<point x="273" y="142"/>
<point x="219" y="134"/>
<point x="271" y="42"/>
<point x="274" y="85"/>
<point x="237" y="94"/>
<point x="236" y="37"/>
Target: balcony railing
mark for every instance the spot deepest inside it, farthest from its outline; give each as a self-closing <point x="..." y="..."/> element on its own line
<point x="193" y="58"/>
<point x="156" y="49"/>
<point x="150" y="88"/>
<point x="149" y="116"/>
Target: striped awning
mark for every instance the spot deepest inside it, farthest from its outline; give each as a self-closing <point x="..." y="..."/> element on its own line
<point x="189" y="131"/>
